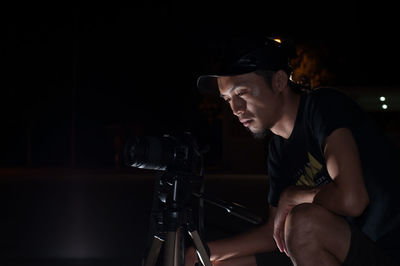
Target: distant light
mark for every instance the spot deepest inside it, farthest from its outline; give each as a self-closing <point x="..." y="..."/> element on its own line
<point x="382" y="99"/>
<point x="384" y="106"/>
<point x="278" y="40"/>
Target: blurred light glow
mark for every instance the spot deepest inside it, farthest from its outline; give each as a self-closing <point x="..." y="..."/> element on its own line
<point x="384" y="106"/>
<point x="278" y="40"/>
<point x="382" y="99"/>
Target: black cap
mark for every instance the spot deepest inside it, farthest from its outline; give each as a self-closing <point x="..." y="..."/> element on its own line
<point x="270" y="55"/>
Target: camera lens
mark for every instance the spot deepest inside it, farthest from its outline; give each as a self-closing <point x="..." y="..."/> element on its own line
<point x="150" y="152"/>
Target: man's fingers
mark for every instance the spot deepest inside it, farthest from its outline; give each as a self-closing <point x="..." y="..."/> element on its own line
<point x="283" y="240"/>
<point x="279" y="227"/>
<point x="279" y="236"/>
<point x="278" y="239"/>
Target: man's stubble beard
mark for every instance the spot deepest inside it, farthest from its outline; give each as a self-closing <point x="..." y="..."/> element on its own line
<point x="260" y="134"/>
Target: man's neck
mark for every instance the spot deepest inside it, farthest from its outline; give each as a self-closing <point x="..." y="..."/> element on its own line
<point x="285" y="125"/>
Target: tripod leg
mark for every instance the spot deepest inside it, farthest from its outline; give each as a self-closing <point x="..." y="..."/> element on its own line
<point x="154" y="251"/>
<point x="178" y="248"/>
<point x="201" y="250"/>
<point x="173" y="248"/>
<point x="169" y="252"/>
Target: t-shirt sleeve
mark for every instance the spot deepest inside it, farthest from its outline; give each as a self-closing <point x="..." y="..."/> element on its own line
<point x="328" y="110"/>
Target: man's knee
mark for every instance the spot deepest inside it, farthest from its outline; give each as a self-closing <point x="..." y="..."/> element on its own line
<point x="303" y="217"/>
<point x="302" y="225"/>
<point x="312" y="231"/>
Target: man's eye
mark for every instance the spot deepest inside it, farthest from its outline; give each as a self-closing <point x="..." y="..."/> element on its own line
<point x="240" y="93"/>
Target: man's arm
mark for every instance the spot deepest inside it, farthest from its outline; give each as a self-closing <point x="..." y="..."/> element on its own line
<point x="346" y="195"/>
<point x="249" y="243"/>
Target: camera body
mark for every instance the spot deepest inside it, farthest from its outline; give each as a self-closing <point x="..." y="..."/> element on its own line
<point x="166" y="153"/>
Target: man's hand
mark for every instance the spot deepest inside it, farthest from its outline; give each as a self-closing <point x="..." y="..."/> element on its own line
<point x="284" y="207"/>
<point x="290" y="197"/>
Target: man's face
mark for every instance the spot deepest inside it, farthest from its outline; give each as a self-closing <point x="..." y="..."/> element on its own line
<point x="255" y="104"/>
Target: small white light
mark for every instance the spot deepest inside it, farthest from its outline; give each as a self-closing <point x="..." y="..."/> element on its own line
<point x="384" y="106"/>
<point x="382" y="99"/>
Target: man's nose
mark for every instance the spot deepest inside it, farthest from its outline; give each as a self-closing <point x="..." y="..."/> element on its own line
<point x="238" y="106"/>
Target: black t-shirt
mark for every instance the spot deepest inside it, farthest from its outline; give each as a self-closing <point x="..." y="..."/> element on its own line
<point x="299" y="160"/>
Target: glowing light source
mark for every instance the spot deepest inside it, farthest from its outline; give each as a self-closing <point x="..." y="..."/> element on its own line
<point x="278" y="40"/>
<point x="382" y="99"/>
<point x="384" y="106"/>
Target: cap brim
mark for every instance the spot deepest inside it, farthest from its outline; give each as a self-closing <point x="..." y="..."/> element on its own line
<point x="208" y="83"/>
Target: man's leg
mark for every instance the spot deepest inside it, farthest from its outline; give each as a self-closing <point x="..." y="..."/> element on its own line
<point x="316" y="236"/>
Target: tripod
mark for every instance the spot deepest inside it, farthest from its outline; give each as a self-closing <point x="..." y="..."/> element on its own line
<point x="172" y="212"/>
<point x="172" y="215"/>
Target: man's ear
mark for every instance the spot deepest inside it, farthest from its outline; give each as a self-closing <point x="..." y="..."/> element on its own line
<point x="279" y="80"/>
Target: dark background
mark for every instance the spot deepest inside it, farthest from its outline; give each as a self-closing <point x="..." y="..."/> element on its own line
<point x="77" y="81"/>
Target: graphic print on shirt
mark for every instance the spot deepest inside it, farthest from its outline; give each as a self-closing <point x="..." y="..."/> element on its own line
<point x="312" y="175"/>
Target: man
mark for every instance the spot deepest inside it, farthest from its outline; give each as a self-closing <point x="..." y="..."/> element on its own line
<point x="333" y="198"/>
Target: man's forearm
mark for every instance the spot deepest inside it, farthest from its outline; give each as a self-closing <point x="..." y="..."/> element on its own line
<point x="252" y="242"/>
<point x="296" y="195"/>
<point x="328" y="196"/>
<point x="339" y="201"/>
